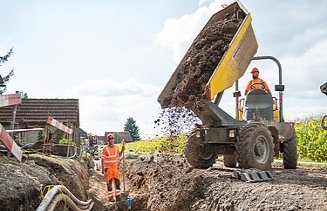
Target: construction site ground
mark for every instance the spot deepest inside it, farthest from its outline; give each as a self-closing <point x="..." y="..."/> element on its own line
<point x="164" y="182"/>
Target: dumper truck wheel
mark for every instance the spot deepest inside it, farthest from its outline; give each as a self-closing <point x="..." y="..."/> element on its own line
<point x="289" y="149"/>
<point x="198" y="154"/>
<point x="255" y="147"/>
<point x="324" y="122"/>
<point x="230" y="160"/>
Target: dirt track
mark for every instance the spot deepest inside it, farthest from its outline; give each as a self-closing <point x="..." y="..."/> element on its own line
<point x="168" y="183"/>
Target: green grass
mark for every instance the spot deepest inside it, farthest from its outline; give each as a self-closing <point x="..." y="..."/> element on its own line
<point x="160" y="145"/>
<point x="304" y="163"/>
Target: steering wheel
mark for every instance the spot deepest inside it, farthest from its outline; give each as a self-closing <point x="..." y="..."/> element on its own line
<point x="262" y="85"/>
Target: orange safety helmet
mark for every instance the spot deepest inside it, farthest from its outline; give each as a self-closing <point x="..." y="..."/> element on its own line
<point x="110" y="135"/>
<point x="255" y="69"/>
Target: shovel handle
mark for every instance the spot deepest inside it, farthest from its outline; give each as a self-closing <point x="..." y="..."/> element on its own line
<point x="124" y="171"/>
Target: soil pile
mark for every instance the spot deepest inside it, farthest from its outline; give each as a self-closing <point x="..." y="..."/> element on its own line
<point x="22" y="184"/>
<point x="158" y="184"/>
<point x="200" y="61"/>
<point x="168" y="183"/>
<point x="162" y="183"/>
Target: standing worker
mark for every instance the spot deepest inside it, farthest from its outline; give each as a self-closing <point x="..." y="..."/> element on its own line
<point x="109" y="159"/>
<point x="93" y="145"/>
<point x="256" y="82"/>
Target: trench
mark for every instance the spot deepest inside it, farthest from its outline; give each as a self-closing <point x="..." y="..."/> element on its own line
<point x="23" y="185"/>
<point x="159" y="182"/>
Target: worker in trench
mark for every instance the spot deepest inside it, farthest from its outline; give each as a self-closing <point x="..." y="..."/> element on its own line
<point x="256" y="82"/>
<point x="109" y="159"/>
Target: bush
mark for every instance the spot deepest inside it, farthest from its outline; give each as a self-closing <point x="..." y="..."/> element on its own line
<point x="160" y="145"/>
<point x="312" y="139"/>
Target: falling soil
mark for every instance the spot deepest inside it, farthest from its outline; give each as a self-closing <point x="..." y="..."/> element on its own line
<point x="175" y="121"/>
<point x="193" y="73"/>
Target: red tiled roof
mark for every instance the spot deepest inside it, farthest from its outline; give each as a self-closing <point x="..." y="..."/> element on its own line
<point x="35" y="111"/>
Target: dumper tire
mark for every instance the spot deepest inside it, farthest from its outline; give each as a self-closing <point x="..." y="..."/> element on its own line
<point x="289" y="149"/>
<point x="198" y="154"/>
<point x="255" y="147"/>
<point x="230" y="160"/>
<point x="324" y="122"/>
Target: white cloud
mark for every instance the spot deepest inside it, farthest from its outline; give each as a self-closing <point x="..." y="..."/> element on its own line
<point x="178" y="34"/>
<point x="307" y="38"/>
<point x="201" y="2"/>
<point x="303" y="76"/>
<point x="105" y="104"/>
<point x="109" y="87"/>
<point x="48" y="60"/>
<point x="302" y="50"/>
<point x="307" y="70"/>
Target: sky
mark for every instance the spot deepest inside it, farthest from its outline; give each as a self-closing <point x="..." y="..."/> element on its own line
<point x="116" y="56"/>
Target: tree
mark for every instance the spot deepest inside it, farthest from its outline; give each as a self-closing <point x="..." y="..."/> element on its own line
<point x="132" y="128"/>
<point x="25" y="96"/>
<point x="4" y="59"/>
<point x="59" y="134"/>
<point x="40" y="136"/>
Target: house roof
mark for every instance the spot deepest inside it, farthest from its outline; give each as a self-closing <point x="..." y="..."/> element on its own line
<point x="123" y="135"/>
<point x="82" y="133"/>
<point x="35" y="111"/>
<point x="102" y="140"/>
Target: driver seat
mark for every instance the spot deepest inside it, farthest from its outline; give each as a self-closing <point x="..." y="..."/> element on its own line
<point x="259" y="106"/>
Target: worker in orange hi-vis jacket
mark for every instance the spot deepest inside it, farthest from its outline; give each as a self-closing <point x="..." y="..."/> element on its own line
<point x="256" y="82"/>
<point x="109" y="159"/>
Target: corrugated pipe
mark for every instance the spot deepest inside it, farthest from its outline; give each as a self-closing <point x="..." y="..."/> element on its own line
<point x="59" y="193"/>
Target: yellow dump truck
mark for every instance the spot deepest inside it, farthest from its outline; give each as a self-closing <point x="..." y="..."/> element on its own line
<point x="258" y="132"/>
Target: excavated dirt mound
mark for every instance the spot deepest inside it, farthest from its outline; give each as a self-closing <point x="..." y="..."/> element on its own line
<point x="169" y="183"/>
<point x="22" y="184"/>
<point x="200" y="61"/>
<point x="162" y="183"/>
